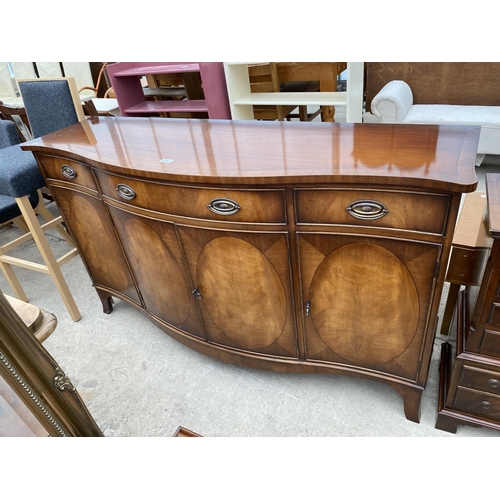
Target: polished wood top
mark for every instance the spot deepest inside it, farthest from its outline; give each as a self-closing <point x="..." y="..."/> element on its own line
<point x="471" y="230"/>
<point x="255" y="152"/>
<point x="493" y="196"/>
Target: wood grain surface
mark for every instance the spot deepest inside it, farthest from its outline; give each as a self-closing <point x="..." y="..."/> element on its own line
<point x="251" y="152"/>
<point x="293" y="279"/>
<point x="364" y="303"/>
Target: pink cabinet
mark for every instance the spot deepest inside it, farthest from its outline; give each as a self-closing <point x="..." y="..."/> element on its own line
<point x="126" y="81"/>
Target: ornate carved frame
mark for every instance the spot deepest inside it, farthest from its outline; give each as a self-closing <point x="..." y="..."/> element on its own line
<point x="38" y="380"/>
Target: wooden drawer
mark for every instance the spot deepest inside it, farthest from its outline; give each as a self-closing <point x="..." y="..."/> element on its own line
<point x="398" y="210"/>
<point x="63" y="169"/>
<point x="479" y="403"/>
<point x="494" y="319"/>
<point x="483" y="380"/>
<point x="490" y="342"/>
<point x="254" y="206"/>
<point x="466" y="265"/>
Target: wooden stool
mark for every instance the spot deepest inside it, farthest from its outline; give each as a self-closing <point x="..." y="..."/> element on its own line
<point x="39" y="322"/>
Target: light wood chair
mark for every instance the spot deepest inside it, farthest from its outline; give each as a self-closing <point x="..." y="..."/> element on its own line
<point x="265" y="78"/>
<point x="50" y="105"/>
<point x="17" y="115"/>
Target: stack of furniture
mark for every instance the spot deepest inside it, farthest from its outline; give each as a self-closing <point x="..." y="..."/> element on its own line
<point x="267" y="77"/>
<point x="470" y="378"/>
<point x="126" y="78"/>
<point x="242" y="100"/>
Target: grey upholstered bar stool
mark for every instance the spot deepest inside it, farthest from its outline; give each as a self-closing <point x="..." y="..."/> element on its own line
<point x="50" y="106"/>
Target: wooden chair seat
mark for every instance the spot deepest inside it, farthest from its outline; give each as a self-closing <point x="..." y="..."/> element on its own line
<point x="39" y="322"/>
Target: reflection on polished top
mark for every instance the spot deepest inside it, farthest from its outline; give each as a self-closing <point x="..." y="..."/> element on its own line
<point x="257" y="152"/>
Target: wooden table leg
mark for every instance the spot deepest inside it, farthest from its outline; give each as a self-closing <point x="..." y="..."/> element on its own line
<point x="449" y="310"/>
<point x="327" y="113"/>
<point x="328" y="83"/>
<point x="412" y="397"/>
<point x="106" y="301"/>
<point x="444" y="422"/>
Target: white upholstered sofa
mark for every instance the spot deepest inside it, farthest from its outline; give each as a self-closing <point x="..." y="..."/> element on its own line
<point x="394" y="104"/>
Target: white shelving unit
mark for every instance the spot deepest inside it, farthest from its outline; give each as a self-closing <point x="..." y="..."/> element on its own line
<point x="241" y="99"/>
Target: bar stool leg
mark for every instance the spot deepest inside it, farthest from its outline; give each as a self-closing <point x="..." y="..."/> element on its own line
<point x="12" y="279"/>
<point x="48" y="256"/>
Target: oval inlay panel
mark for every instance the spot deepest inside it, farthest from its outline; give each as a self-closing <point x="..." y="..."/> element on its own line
<point x="372" y="282"/>
<point x="109" y="271"/>
<point x="242" y="292"/>
<point x="160" y="278"/>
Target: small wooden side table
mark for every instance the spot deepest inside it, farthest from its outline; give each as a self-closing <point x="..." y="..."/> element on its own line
<point x="469" y="250"/>
<point x="469" y="381"/>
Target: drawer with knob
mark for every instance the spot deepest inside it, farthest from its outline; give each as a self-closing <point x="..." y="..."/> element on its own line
<point x="399" y="210"/>
<point x="228" y="205"/>
<point x="477" y="378"/>
<point x="63" y="169"/>
<point x="477" y="402"/>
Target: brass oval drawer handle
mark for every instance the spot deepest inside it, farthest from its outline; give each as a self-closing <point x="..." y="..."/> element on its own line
<point x="486" y="405"/>
<point x="223" y="206"/>
<point x="367" y="209"/>
<point x="493" y="382"/>
<point x="126" y="192"/>
<point x="68" y="172"/>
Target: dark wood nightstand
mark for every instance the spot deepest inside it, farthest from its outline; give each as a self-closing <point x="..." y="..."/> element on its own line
<point x="470" y="380"/>
<point x="471" y="242"/>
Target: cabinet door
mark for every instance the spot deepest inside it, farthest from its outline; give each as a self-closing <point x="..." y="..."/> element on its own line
<point x="158" y="265"/>
<point x="244" y="288"/>
<point x="97" y="242"/>
<point x="366" y="300"/>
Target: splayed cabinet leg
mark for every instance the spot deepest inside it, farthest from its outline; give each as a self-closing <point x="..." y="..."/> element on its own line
<point x="106" y="301"/>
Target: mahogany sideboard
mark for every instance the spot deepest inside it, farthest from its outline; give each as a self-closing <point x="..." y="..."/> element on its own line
<point x="301" y="247"/>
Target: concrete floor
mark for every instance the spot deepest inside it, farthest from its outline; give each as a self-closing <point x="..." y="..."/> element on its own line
<point x="137" y="381"/>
